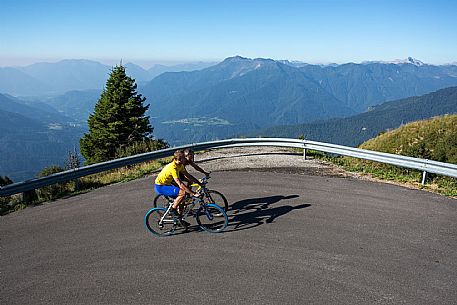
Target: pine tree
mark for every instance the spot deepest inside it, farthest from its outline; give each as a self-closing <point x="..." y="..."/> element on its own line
<point x="4" y="180"/>
<point x="118" y="120"/>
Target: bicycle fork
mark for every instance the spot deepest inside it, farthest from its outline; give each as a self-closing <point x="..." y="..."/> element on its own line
<point x="208" y="213"/>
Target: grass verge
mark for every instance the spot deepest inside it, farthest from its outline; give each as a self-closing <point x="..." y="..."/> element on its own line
<point x="443" y="185"/>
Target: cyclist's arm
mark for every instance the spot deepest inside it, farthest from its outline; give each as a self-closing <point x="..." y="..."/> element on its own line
<point x="198" y="168"/>
<point x="191" y="178"/>
<point x="184" y="187"/>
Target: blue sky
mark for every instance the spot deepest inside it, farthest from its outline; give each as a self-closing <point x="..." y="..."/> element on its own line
<point x="147" y="32"/>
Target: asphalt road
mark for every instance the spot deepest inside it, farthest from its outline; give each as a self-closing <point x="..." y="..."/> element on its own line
<point x="292" y="239"/>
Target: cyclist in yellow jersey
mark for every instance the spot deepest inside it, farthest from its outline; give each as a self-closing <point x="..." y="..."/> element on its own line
<point x="169" y="181"/>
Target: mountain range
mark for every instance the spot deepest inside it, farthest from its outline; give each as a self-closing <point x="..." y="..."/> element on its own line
<point x="67" y="75"/>
<point x="238" y="96"/>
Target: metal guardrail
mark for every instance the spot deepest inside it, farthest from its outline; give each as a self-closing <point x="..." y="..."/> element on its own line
<point x="426" y="166"/>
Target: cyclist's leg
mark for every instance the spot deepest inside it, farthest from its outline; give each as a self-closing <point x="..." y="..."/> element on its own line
<point x="178" y="206"/>
<point x="173" y="191"/>
<point x="167" y="190"/>
<point x="180" y="198"/>
<point x="182" y="204"/>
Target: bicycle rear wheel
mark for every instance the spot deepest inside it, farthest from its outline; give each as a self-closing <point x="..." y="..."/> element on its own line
<point x="217" y="198"/>
<point x="162" y="201"/>
<point x="212" y="218"/>
<point x="153" y="224"/>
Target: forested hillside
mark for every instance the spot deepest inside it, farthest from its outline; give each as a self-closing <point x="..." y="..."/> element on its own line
<point x="354" y="130"/>
<point x="32" y="138"/>
<point x="75" y="104"/>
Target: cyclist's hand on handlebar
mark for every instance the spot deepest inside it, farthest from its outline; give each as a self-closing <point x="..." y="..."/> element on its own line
<point x="197" y="194"/>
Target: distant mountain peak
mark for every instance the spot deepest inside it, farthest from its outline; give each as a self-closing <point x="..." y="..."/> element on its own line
<point x="265" y="60"/>
<point x="292" y="63"/>
<point x="410" y="60"/>
<point x="237" y="58"/>
<point x="238" y="66"/>
<point x="415" y="61"/>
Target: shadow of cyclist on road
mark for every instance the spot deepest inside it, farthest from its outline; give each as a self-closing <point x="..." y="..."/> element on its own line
<point x="250" y="213"/>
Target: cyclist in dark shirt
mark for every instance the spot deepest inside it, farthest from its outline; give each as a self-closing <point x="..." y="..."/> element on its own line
<point x="189" y="160"/>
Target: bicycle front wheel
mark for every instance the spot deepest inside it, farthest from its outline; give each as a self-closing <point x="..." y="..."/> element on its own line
<point x="217" y="198"/>
<point x="158" y="226"/>
<point x="212" y="218"/>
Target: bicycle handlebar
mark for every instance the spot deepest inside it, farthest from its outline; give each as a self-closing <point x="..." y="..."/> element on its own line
<point x="204" y="180"/>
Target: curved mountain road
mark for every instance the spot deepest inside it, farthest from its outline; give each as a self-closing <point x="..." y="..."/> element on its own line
<point x="295" y="236"/>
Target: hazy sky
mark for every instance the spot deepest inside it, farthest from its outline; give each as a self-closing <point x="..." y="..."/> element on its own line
<point x="167" y="31"/>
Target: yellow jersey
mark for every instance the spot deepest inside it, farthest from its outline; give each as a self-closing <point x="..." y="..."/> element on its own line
<point x="169" y="173"/>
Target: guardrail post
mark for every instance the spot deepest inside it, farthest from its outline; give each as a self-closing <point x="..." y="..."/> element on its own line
<point x="424" y="177"/>
<point x="304" y="153"/>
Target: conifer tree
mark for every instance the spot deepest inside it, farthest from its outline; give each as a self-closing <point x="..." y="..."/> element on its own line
<point x="4" y="180"/>
<point x="118" y="120"/>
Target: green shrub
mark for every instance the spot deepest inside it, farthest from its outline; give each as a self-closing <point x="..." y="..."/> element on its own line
<point x="141" y="147"/>
<point x="51" y="191"/>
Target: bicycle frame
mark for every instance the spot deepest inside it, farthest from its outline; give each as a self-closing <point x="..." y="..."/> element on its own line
<point x="209" y="216"/>
<point x="188" y="208"/>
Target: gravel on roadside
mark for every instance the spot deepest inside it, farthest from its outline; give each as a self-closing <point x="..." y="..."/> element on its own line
<point x="262" y="158"/>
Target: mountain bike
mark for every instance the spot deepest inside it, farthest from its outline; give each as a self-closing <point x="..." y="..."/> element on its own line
<point x="210" y="217"/>
<point x="210" y="196"/>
